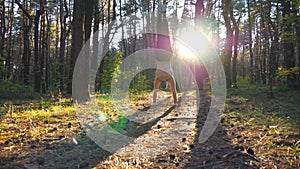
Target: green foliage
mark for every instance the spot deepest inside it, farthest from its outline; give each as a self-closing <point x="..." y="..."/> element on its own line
<point x="139" y="84"/>
<point x="12" y="91"/>
<point x="288" y="36"/>
<point x="110" y="69"/>
<point x="288" y="21"/>
<point x="238" y="6"/>
<point x="2" y="59"/>
<point x="246" y="79"/>
<point x="283" y="73"/>
<point x="241" y="111"/>
<point x="116" y="119"/>
<point x="104" y="97"/>
<point x="248" y="90"/>
<point x="32" y="123"/>
<point x="55" y="77"/>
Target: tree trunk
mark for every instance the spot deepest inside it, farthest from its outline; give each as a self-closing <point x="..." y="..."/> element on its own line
<point x="63" y="36"/>
<point x="43" y="46"/>
<point x="226" y="6"/>
<point x="243" y="55"/>
<point x="250" y="43"/>
<point x="114" y="10"/>
<point x="257" y="60"/>
<point x="108" y="11"/>
<point x="27" y="22"/>
<point x="265" y="43"/>
<point x="234" y="60"/>
<point x="274" y="37"/>
<point x="296" y="11"/>
<point x="2" y="39"/>
<point x="199" y="9"/>
<point x="8" y="69"/>
<point x="37" y="61"/>
<point x="26" y="53"/>
<point x="94" y="59"/>
<point x="88" y="15"/>
<point x="77" y="42"/>
<point x="47" y="53"/>
<point x="288" y="46"/>
<point x="236" y="37"/>
<point x="298" y="46"/>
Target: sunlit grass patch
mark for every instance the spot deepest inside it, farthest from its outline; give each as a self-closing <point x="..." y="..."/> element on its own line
<point x="21" y="125"/>
<point x="115" y="117"/>
<point x="269" y="126"/>
<point x="242" y="111"/>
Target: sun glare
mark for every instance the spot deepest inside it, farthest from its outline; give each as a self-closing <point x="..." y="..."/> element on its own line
<point x="185" y="52"/>
<point x="191" y="44"/>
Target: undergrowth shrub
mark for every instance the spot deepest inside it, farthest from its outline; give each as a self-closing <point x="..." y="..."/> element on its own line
<point x="139" y="84"/>
<point x="283" y="73"/>
<point x="111" y="63"/>
<point x="10" y="91"/>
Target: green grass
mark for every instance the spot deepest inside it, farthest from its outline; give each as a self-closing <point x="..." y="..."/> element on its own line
<point x="32" y="123"/>
<point x="250" y="105"/>
<point x="104" y="97"/>
<point x="49" y="118"/>
<point x="258" y="94"/>
<point x="271" y="127"/>
<point x="252" y="90"/>
<point x="116" y="119"/>
<point x="246" y="90"/>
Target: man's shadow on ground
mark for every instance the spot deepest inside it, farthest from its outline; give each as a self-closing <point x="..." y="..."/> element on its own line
<point x="81" y="152"/>
<point x="76" y="152"/>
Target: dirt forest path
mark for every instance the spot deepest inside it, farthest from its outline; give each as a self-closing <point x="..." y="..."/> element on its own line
<point x="169" y="141"/>
<point x="185" y="151"/>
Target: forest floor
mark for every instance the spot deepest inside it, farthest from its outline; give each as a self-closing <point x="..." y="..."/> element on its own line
<point x="255" y="131"/>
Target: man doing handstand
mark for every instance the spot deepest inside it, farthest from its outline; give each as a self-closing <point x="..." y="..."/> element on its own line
<point x="163" y="59"/>
<point x="164" y="72"/>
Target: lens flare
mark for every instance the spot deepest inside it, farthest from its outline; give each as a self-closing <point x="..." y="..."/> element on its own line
<point x="192" y="36"/>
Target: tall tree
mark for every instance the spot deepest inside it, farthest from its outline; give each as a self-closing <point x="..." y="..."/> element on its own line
<point x="2" y="37"/>
<point x="37" y="52"/>
<point x="81" y="19"/>
<point x="88" y="18"/>
<point x="288" y="45"/>
<point x="77" y="37"/>
<point x="296" y="16"/>
<point x="250" y="41"/>
<point x="199" y="8"/>
<point x="8" y="61"/>
<point x="238" y="6"/>
<point x="227" y="7"/>
<point x="265" y="41"/>
<point x="63" y="10"/>
<point x="27" y="25"/>
<point x="94" y="59"/>
<point x="274" y="49"/>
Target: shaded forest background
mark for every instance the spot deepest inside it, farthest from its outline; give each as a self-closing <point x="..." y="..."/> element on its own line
<point x="258" y="40"/>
